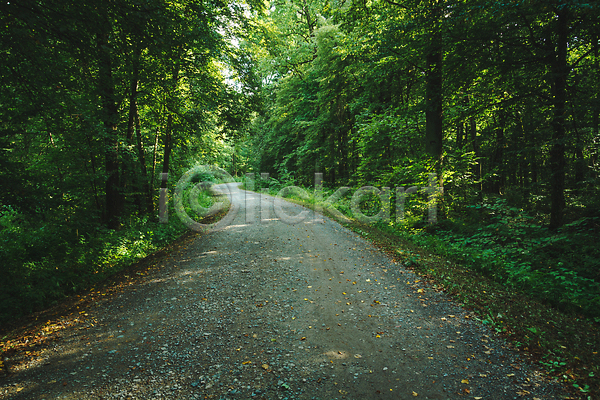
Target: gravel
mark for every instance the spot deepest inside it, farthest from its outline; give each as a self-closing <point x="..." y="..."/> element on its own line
<point x="272" y="310"/>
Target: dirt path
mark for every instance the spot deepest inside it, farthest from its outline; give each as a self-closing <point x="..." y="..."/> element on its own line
<point x="273" y="310"/>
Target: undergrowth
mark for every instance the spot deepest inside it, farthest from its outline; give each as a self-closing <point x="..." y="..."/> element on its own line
<point x="43" y="262"/>
<point x="505" y="243"/>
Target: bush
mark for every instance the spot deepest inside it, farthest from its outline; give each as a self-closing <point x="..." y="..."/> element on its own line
<point x="44" y="263"/>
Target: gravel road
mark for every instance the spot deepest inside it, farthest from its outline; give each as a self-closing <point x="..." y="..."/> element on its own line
<point x="274" y="310"/>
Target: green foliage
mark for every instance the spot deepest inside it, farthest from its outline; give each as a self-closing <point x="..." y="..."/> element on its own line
<point x="99" y="98"/>
<point x="507" y="244"/>
<point x="43" y="263"/>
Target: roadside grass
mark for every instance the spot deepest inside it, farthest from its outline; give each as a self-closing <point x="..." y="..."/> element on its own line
<point x="543" y="315"/>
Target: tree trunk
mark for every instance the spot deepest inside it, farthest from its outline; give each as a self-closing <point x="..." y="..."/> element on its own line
<point x="163" y="216"/>
<point x="459" y="136"/>
<point x="154" y="157"/>
<point x="146" y="190"/>
<point x="163" y="213"/>
<point x="580" y="164"/>
<point x="129" y="175"/>
<point x="167" y="153"/>
<point x="498" y="180"/>
<point x="114" y="193"/>
<point x="143" y="196"/>
<point x="596" y="110"/>
<point x="560" y="72"/>
<point x="475" y="144"/>
<point x="97" y="199"/>
<point x="155" y="150"/>
<point x="343" y="150"/>
<point x="434" y="97"/>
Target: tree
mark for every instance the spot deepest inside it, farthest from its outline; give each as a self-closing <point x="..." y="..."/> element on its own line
<point x="494" y="90"/>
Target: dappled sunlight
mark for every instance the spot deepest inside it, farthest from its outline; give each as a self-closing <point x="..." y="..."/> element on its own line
<point x="337" y="354"/>
<point x="235" y="226"/>
<point x="157" y="280"/>
<point x="191" y="272"/>
<point x="22" y="387"/>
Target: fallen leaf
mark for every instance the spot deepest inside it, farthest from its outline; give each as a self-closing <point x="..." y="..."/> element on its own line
<point x="265" y="366"/>
<point x="465" y="381"/>
<point x="415" y="394"/>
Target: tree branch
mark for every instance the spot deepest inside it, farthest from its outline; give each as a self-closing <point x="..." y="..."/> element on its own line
<point x="396" y="4"/>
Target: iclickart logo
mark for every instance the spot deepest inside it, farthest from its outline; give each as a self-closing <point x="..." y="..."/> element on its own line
<point x="203" y="177"/>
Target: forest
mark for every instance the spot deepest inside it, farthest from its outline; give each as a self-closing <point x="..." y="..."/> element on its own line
<point x="99" y="99"/>
<point x="498" y="99"/>
<point x="106" y="102"/>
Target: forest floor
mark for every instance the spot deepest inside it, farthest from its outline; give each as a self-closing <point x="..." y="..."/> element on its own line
<point x="267" y="310"/>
